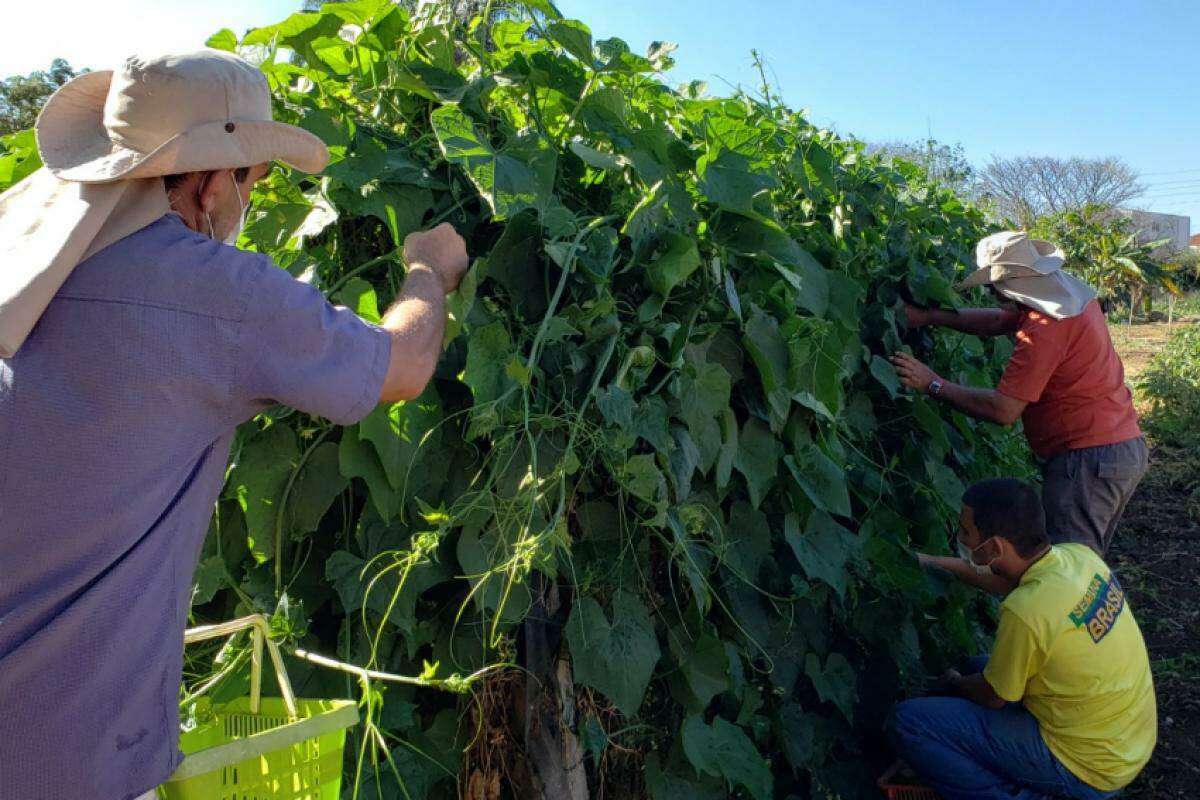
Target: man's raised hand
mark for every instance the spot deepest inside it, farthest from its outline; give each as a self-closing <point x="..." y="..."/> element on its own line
<point x="912" y="373"/>
<point x="440" y="250"/>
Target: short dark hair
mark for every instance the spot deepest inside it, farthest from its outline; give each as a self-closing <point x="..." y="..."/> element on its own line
<point x="172" y="181"/>
<point x="1011" y="509"/>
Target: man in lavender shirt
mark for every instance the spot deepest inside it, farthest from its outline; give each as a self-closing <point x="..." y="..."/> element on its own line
<point x="116" y="417"/>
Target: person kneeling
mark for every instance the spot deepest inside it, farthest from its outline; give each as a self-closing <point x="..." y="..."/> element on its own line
<point x="1064" y="706"/>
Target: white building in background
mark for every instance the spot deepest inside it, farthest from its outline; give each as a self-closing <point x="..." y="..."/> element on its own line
<point x="1152" y="226"/>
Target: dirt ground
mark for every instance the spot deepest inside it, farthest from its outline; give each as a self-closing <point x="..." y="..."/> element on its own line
<point x="1157" y="556"/>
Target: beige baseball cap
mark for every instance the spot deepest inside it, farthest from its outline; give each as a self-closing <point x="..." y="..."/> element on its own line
<point x="1029" y="271"/>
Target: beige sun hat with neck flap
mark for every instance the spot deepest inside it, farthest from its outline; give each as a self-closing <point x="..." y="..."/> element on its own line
<point x="1029" y="271"/>
<point x="106" y="140"/>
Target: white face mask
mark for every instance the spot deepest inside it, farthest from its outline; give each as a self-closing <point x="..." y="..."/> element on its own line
<point x="965" y="554"/>
<point x="232" y="238"/>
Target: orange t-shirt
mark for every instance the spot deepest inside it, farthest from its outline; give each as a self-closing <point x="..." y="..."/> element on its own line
<point x="1073" y="380"/>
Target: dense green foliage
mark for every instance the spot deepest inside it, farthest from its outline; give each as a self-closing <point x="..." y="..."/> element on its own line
<point x="1171" y="387"/>
<point x="1171" y="384"/>
<point x="1102" y="248"/>
<point x="18" y="157"/>
<point x="664" y="390"/>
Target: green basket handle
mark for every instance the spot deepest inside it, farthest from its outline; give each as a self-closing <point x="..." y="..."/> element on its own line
<point x="260" y="632"/>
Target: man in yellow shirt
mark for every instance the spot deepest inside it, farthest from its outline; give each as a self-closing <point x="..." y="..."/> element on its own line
<point x="1065" y="704"/>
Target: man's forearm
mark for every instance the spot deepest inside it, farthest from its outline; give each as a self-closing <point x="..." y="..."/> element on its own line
<point x="978" y="403"/>
<point x="417" y="323"/>
<point x="976" y="321"/>
<point x="988" y="582"/>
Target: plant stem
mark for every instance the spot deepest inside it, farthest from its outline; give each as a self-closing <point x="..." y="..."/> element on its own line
<point x="389" y="677"/>
<point x="361" y="268"/>
<point x="283" y="500"/>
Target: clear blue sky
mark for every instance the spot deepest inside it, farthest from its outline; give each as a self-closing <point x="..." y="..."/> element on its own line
<point x="1087" y="78"/>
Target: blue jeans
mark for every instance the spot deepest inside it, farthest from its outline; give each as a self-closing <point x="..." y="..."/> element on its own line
<point x="968" y="752"/>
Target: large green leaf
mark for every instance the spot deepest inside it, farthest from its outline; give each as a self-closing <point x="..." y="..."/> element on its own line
<point x="317" y="484"/>
<point x="822" y="480"/>
<point x="642" y="477"/>
<point x="703" y="395"/>
<point x="264" y="467"/>
<point x="358" y="459"/>
<point x="516" y="264"/>
<point x="223" y="39"/>
<point x="574" y="37"/>
<point x="885" y="373"/>
<point x="835" y="682"/>
<point x="517" y="176"/>
<point x="20" y="159"/>
<point x="797" y="731"/>
<point x="297" y="32"/>
<point x="747" y="541"/>
<point x="400" y="207"/>
<point x="488" y="353"/>
<point x="615" y="658"/>
<point x="616" y="405"/>
<point x="704" y="664"/>
<point x="400" y="432"/>
<point x="673" y="266"/>
<point x="769" y="353"/>
<point x="823" y="549"/>
<point x="947" y="485"/>
<point x="732" y="182"/>
<point x="723" y="749"/>
<point x="680" y="782"/>
<point x="757" y="458"/>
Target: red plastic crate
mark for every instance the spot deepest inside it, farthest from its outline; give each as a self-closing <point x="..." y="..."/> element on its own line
<point x="894" y="788"/>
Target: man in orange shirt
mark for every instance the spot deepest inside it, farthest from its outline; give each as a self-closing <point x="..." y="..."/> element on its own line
<point x="1064" y="381"/>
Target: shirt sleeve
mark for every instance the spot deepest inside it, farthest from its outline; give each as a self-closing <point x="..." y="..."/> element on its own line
<point x="299" y="350"/>
<point x="1015" y="659"/>
<point x="1039" y="351"/>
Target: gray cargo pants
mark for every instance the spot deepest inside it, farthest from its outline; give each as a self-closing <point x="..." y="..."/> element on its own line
<point x="1084" y="491"/>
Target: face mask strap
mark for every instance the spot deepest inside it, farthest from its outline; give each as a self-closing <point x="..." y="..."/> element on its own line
<point x="212" y="234"/>
<point x="981" y="544"/>
<point x="967" y="554"/>
<point x="231" y="240"/>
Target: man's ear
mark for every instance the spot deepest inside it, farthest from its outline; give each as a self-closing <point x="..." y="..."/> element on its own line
<point x="206" y="195"/>
<point x="1004" y="548"/>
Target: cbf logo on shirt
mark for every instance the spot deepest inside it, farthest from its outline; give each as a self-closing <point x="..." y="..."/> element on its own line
<point x="1102" y="603"/>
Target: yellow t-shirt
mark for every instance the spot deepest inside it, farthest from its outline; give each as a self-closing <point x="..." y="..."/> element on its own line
<point x="1069" y="648"/>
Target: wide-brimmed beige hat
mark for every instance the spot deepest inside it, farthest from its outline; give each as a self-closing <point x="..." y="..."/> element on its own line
<point x="1029" y="271"/>
<point x="169" y="114"/>
<point x="106" y="139"/>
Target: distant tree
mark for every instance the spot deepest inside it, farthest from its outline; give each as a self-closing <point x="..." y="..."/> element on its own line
<point x="946" y="164"/>
<point x="1022" y="189"/>
<point x="22" y="96"/>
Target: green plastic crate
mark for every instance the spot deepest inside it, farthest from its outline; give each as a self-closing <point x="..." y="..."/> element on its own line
<point x="257" y="748"/>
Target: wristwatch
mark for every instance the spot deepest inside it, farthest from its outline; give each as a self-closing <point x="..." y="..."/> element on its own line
<point x="935" y="387"/>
